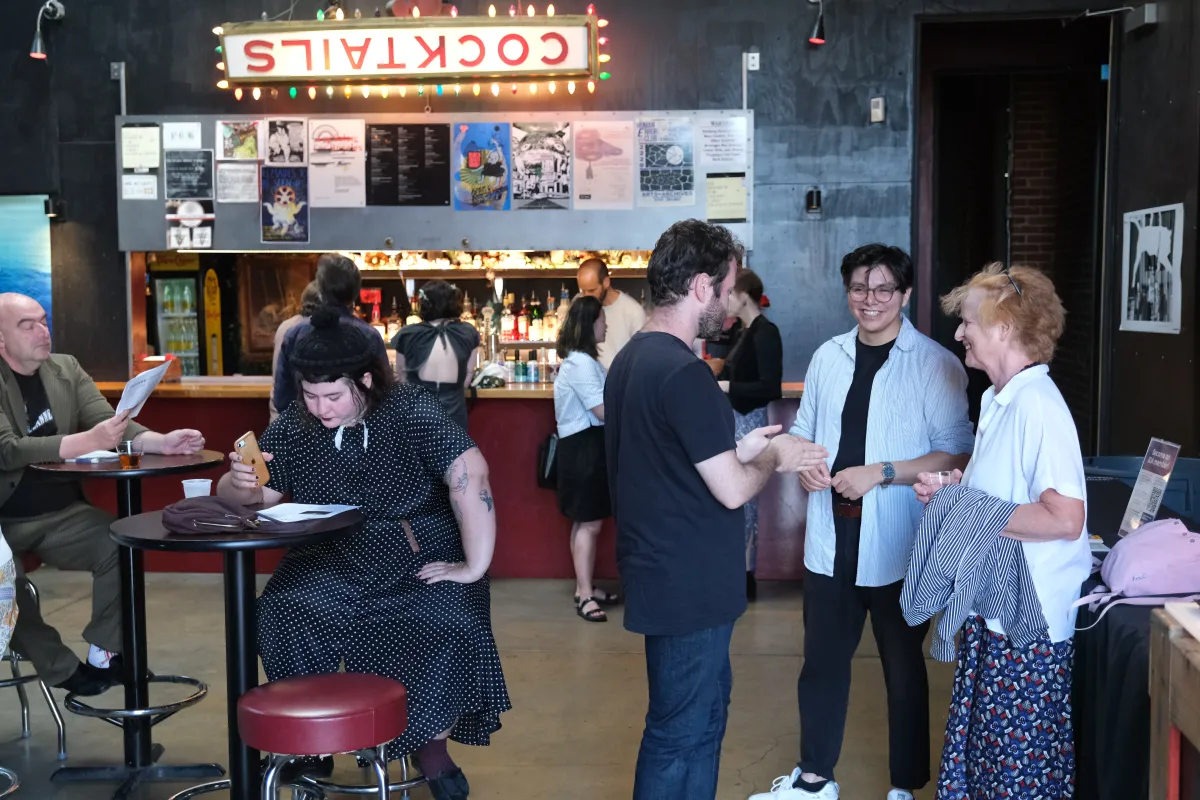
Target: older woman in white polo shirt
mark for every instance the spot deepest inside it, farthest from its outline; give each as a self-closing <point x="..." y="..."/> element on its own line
<point x="1009" y="730"/>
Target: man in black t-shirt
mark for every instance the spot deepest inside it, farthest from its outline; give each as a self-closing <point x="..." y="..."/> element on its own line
<point x="678" y="481"/>
<point x="51" y="410"/>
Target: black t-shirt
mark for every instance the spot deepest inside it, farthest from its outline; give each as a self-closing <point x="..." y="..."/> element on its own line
<point x="37" y="494"/>
<point x="852" y="448"/>
<point x="681" y="554"/>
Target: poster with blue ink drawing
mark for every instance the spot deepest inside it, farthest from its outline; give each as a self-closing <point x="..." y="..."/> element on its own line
<point x="482" y="154"/>
<point x="284" y="204"/>
<point x="25" y="249"/>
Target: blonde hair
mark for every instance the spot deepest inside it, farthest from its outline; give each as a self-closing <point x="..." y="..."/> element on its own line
<point x="1036" y="313"/>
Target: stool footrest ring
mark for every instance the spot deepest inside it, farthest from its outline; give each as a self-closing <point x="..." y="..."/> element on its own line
<point x="299" y="792"/>
<point x="156" y="713"/>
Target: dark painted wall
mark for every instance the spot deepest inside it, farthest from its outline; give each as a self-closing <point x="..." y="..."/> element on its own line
<point x="812" y="129"/>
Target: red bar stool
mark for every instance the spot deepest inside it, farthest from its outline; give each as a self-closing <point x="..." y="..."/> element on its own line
<point x="30" y="563"/>
<point x="317" y="715"/>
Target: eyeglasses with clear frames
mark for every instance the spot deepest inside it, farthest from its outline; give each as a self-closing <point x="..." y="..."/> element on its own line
<point x="858" y="292"/>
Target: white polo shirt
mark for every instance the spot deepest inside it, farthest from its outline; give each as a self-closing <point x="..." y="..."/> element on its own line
<point x="1025" y="444"/>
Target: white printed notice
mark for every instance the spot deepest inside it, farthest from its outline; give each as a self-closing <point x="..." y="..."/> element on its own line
<point x="181" y="135"/>
<point x="237" y="182"/>
<point x="666" y="162"/>
<point x="302" y="512"/>
<point x="603" y="164"/>
<point x="138" y="390"/>
<point x="1151" y="483"/>
<point x="140" y="147"/>
<point x="136" y="186"/>
<point x="337" y="157"/>
<point x="723" y="142"/>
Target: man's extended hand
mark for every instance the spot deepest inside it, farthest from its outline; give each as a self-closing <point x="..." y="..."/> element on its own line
<point x="755" y="442"/>
<point x="105" y="435"/>
<point x="182" y="442"/>
<point x="796" y="454"/>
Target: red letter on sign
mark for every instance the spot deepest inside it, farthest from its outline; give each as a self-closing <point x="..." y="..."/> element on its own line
<point x="360" y="51"/>
<point x="306" y="44"/>
<point x="475" y="40"/>
<point x="438" y="53"/>
<point x="562" y="55"/>
<point x="391" y="63"/>
<point x="514" y="37"/>
<point x="259" y="49"/>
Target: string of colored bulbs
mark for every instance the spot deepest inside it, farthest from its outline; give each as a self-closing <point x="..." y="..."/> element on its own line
<point x="384" y="92"/>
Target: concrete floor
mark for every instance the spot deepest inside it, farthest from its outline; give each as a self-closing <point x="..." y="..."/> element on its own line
<point x="578" y="693"/>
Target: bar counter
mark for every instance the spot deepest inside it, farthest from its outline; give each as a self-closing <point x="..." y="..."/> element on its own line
<point x="508" y="424"/>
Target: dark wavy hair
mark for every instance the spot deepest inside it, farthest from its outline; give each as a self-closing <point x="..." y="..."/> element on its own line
<point x="366" y="398"/>
<point x="338" y="279"/>
<point x="310" y="299"/>
<point x="898" y="262"/>
<point x="440" y="300"/>
<point x="578" y="332"/>
<point x="685" y="250"/>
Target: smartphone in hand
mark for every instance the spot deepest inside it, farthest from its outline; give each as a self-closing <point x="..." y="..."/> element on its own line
<point x="246" y="446"/>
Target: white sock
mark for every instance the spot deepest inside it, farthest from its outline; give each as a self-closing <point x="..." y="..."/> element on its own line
<point x="900" y="794"/>
<point x="99" y="657"/>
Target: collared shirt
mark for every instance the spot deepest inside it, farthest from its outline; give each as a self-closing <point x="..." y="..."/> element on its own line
<point x="918" y="406"/>
<point x="578" y="389"/>
<point x="961" y="562"/>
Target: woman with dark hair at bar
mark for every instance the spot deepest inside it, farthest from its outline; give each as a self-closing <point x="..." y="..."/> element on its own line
<point x="752" y="377"/>
<point x="407" y="597"/>
<point x="580" y="463"/>
<point x="439" y="352"/>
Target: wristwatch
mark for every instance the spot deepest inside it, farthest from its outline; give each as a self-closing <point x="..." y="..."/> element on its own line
<point x="889" y="473"/>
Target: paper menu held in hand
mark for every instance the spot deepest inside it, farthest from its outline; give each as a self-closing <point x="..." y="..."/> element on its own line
<point x="138" y="390"/>
<point x="301" y="512"/>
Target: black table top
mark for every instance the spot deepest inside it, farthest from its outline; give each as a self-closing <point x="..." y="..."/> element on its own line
<point x="145" y="531"/>
<point x="151" y="465"/>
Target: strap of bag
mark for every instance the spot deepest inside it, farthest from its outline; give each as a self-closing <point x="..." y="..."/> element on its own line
<point x="1117" y="600"/>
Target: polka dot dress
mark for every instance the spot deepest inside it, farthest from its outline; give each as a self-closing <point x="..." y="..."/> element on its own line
<point x="357" y="599"/>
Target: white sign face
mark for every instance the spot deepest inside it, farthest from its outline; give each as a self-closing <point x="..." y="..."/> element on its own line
<point x="403" y="51"/>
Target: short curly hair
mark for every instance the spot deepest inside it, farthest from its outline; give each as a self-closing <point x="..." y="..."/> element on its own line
<point x="1036" y="313"/>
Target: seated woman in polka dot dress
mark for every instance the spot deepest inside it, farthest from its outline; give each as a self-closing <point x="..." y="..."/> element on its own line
<point x="407" y="597"/>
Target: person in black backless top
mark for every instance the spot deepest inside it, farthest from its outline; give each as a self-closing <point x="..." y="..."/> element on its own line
<point x="439" y="352"/>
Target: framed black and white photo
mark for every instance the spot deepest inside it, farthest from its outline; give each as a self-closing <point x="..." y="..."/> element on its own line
<point x="1151" y="251"/>
<point x="287" y="142"/>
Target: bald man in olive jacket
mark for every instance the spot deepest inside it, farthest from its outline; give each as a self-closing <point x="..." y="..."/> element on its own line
<point x="51" y="410"/>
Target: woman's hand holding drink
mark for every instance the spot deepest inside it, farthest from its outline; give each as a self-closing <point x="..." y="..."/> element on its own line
<point x="929" y="482"/>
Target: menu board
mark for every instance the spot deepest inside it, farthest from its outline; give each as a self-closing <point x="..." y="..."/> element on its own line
<point x="408" y="165"/>
<point x="189" y="174"/>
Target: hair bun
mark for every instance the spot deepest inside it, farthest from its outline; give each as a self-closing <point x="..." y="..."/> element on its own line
<point x="325" y="318"/>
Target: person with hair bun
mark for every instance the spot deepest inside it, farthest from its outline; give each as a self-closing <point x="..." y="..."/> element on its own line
<point x="407" y="596"/>
<point x="752" y="377"/>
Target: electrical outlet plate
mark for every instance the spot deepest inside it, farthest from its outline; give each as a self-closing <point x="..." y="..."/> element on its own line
<point x="877" y="110"/>
<point x="752" y="62"/>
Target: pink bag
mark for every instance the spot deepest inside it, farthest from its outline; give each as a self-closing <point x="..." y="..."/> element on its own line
<point x="1157" y="563"/>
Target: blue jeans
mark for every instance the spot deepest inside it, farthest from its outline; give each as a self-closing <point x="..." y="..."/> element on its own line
<point x="690" y="681"/>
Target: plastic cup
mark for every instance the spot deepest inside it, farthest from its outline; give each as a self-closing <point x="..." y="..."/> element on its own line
<point x="945" y="478"/>
<point x="197" y="487"/>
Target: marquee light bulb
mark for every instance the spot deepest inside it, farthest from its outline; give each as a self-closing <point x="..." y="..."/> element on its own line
<point x="274" y="94"/>
<point x="347" y="92"/>
<point x="384" y="92"/>
<point x="605" y="58"/>
<point x="475" y="90"/>
<point x="329" y="91"/>
<point x="237" y="94"/>
<point x="601" y="23"/>
<point x="403" y="91"/>
<point x="320" y="15"/>
<point x="366" y="90"/>
<point x="605" y="76"/>
<point x="454" y="11"/>
<point x="512" y="11"/>
<point x="603" y="40"/>
<point x="533" y="88"/>
<point x="491" y="11"/>
<point x="439" y="90"/>
<point x="591" y="87"/>
<point x="257" y="93"/>
<point x="221" y="66"/>
<point x="457" y="90"/>
<point x="551" y="86"/>
<point x="222" y="84"/>
<point x="339" y="15"/>
<point x="495" y="90"/>
<point x="591" y="10"/>
<point x="416" y="12"/>
<point x="514" y="88"/>
<point x="571" y="87"/>
<point x="292" y="92"/>
<point x="530" y="10"/>
<point x="550" y="10"/>
<point x="218" y="31"/>
<point x="312" y="93"/>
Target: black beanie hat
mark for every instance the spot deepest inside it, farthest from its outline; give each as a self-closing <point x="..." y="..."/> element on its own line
<point x="331" y="348"/>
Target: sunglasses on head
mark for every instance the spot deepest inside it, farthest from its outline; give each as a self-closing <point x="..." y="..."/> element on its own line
<point x="1008" y="275"/>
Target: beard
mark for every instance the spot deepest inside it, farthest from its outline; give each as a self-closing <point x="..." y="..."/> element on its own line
<point x="712" y="320"/>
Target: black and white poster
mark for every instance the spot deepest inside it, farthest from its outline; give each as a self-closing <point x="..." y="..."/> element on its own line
<point x="1151" y="289"/>
<point x="408" y="165"/>
<point x="188" y="174"/>
<point x="287" y="142"/>
<point x="541" y="165"/>
<point x="666" y="165"/>
<point x="190" y="224"/>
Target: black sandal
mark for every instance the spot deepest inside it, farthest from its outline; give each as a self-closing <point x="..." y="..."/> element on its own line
<point x="595" y="615"/>
<point x="607" y="599"/>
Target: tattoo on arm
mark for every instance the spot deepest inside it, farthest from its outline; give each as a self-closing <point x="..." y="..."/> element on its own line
<point x="459" y="477"/>
<point x="486" y="497"/>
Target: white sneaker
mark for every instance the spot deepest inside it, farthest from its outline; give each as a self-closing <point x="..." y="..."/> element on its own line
<point x="784" y="789"/>
<point x="899" y="794"/>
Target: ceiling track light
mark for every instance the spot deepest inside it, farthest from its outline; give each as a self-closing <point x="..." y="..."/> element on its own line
<point x="53" y="11"/>
<point x="817" y="36"/>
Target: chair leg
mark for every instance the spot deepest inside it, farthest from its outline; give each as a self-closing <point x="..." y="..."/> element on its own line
<point x="270" y="784"/>
<point x="404" y="776"/>
<point x="22" y="696"/>
<point x="378" y="759"/>
<point x="58" y="720"/>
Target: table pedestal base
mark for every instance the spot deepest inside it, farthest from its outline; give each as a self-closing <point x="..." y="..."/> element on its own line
<point x="131" y="778"/>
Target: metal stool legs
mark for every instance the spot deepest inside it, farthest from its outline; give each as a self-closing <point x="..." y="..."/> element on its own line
<point x="378" y="756"/>
<point x="18" y="681"/>
<point x="271" y="786"/>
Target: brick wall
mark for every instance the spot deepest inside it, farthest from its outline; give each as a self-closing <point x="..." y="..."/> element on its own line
<point x="1053" y="207"/>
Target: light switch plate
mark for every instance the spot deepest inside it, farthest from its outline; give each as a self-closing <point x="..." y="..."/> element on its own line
<point x="752" y="62"/>
<point x="877" y="110"/>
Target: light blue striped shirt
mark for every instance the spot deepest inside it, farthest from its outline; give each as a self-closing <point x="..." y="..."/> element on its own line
<point x="918" y="406"/>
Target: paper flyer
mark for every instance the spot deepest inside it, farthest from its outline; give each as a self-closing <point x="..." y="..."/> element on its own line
<point x="287" y="141"/>
<point x="337" y="157"/>
<point x="666" y="166"/>
<point x="541" y="159"/>
<point x="482" y="152"/>
<point x="725" y="197"/>
<point x="723" y="142"/>
<point x="1152" y="481"/>
<point x="284" y="204"/>
<point x="604" y="160"/>
<point x="190" y="224"/>
<point x="188" y="174"/>
<point x="138" y="390"/>
<point x="239" y="140"/>
<point x="181" y="135"/>
<point x="140" y="147"/>
<point x="136" y="186"/>
<point x="237" y="182"/>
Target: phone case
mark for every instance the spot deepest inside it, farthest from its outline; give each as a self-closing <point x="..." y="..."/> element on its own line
<point x="247" y="447"/>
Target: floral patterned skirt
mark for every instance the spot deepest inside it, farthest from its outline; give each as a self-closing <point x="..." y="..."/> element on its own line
<point x="1009" y="732"/>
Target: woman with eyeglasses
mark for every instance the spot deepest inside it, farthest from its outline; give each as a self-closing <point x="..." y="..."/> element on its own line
<point x="1009" y="731"/>
<point x="752" y="376"/>
<point x="440" y="352"/>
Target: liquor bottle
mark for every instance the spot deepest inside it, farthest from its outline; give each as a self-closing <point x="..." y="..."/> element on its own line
<point x="414" y="310"/>
<point x="536" y="330"/>
<point x="564" y="305"/>
<point x="394" y="321"/>
<point x="550" y="320"/>
<point x="506" y="323"/>
<point x="512" y="318"/>
<point x="523" y="321"/>
<point x="376" y="318"/>
<point x="468" y="313"/>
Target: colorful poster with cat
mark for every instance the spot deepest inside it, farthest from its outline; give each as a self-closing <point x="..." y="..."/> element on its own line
<point x="482" y="154"/>
<point x="284" y="204"/>
<point x="541" y="159"/>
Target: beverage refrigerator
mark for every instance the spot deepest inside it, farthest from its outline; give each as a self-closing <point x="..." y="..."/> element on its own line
<point x="184" y="308"/>
<point x="175" y="311"/>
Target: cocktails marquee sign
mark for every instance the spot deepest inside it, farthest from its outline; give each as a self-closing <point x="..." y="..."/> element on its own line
<point x="410" y="51"/>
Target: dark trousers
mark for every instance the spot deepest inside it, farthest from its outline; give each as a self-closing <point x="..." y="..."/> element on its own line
<point x="835" y="610"/>
<point x="690" y="681"/>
